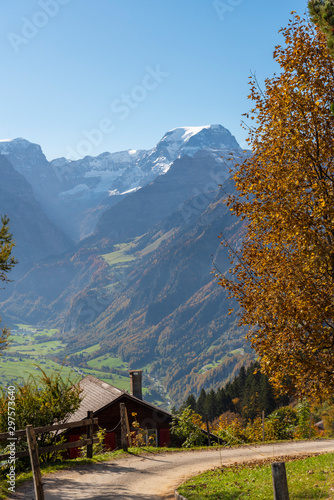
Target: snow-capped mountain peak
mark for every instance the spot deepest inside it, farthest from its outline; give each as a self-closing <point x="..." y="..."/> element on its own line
<point x="178" y="137"/>
<point x="184" y="133"/>
<point x="67" y="190"/>
<point x="188" y="140"/>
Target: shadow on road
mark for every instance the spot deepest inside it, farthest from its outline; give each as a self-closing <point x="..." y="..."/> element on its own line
<point x="102" y="481"/>
<point x="70" y="490"/>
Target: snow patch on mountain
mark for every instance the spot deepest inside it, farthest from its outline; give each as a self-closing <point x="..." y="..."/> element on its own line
<point x="69" y="190"/>
<point x="184" y="133"/>
<point x="115" y="192"/>
<point x="177" y="138"/>
<point x="76" y="190"/>
<point x="106" y="178"/>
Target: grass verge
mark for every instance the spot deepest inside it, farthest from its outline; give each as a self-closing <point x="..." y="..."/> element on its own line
<point x="308" y="478"/>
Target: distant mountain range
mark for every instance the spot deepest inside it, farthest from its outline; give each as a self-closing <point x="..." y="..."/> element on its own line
<point x="35" y="235"/>
<point x="140" y="284"/>
<point x="73" y="194"/>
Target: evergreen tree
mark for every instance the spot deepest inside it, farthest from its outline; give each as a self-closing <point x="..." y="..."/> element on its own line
<point x="249" y="393"/>
<point x="7" y="262"/>
<point x="210" y="406"/>
<point x="200" y="405"/>
<point x="267" y="397"/>
<point x="224" y="401"/>
<point x="190" y="402"/>
<point x="236" y="390"/>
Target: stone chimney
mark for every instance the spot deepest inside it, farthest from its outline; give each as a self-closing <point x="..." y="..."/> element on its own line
<point x="135" y="383"/>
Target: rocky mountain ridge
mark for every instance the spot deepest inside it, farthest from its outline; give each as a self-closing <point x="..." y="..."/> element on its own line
<point x="74" y="194"/>
<point x="36" y="237"/>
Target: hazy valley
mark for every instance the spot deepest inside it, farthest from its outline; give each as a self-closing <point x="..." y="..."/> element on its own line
<point x="116" y="257"/>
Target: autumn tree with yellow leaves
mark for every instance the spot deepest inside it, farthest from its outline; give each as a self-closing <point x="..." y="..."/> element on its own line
<point x="283" y="276"/>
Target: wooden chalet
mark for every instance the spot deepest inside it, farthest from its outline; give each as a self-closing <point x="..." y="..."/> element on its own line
<point x="104" y="400"/>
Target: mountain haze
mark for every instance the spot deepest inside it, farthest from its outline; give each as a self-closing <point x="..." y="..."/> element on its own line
<point x="74" y="194"/>
<point x="168" y="310"/>
<point x="141" y="285"/>
<point x="36" y="237"/>
<point x="186" y="178"/>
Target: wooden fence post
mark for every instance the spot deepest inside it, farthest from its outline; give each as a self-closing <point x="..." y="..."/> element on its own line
<point x="90" y="431"/>
<point x="34" y="460"/>
<point x="124" y="440"/>
<point x="280" y="483"/>
<point x="128" y="427"/>
<point x="263" y="437"/>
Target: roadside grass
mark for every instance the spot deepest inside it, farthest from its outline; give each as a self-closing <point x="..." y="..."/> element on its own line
<point x="308" y="478"/>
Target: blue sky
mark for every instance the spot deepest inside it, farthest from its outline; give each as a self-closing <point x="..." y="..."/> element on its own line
<point x="81" y="77"/>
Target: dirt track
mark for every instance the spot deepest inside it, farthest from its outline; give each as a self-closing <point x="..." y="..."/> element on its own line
<point x="154" y="477"/>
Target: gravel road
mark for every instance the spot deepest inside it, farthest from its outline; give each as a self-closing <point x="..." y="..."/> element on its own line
<point x="154" y="477"/>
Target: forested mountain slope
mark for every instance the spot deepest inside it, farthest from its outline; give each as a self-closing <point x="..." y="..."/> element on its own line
<point x="167" y="313"/>
<point x="141" y="287"/>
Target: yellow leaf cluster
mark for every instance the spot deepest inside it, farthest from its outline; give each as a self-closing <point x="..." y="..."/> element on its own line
<point x="283" y="277"/>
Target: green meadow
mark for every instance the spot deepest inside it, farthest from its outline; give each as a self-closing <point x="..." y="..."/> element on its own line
<point x="107" y="361"/>
<point x="309" y="478"/>
<point x="214" y="364"/>
<point x="32" y="348"/>
<point x="120" y="255"/>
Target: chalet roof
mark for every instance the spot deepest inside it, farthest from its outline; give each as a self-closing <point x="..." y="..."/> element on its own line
<point x="98" y="394"/>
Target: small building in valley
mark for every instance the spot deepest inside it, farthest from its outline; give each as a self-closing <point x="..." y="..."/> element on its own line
<point x="104" y="400"/>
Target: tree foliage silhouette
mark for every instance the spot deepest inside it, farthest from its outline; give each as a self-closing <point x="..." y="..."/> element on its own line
<point x="7" y="262"/>
<point x="283" y="274"/>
